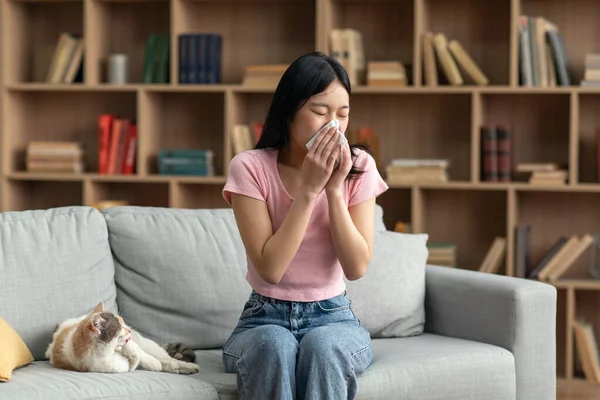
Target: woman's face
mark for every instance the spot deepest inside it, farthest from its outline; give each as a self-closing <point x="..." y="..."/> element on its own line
<point x="333" y="102"/>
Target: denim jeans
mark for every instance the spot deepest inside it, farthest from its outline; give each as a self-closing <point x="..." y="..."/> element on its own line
<point x="284" y="350"/>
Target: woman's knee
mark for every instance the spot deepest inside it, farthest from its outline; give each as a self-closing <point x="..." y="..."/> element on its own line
<point x="267" y="342"/>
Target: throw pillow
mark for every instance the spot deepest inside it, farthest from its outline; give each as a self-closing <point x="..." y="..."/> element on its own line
<point x="389" y="300"/>
<point x="14" y="353"/>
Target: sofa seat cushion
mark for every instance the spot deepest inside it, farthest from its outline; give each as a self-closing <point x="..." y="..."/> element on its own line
<point x="41" y="381"/>
<point x="425" y="367"/>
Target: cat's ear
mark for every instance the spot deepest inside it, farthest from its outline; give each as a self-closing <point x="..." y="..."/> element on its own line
<point x="96" y="324"/>
<point x="99" y="308"/>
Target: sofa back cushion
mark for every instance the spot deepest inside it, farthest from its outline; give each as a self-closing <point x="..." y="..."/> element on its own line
<point x="180" y="274"/>
<point x="55" y="264"/>
<point x="389" y="299"/>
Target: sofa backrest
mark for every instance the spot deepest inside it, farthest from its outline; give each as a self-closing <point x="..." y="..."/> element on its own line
<point x="180" y="273"/>
<point x="55" y="264"/>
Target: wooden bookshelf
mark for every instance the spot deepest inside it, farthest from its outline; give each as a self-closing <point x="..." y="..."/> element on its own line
<point x="549" y="124"/>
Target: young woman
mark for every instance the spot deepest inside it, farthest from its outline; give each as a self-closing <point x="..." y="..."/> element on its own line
<point x="305" y="224"/>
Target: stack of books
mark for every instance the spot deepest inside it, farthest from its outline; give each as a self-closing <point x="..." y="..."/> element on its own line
<point x="197" y="162"/>
<point x="443" y="254"/>
<point x="592" y="70"/>
<point x="54" y="157"/>
<point x="264" y="75"/>
<point x="408" y="170"/>
<point x="544" y="173"/>
<point x="386" y="74"/>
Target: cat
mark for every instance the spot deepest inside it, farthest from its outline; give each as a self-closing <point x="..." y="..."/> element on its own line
<point x="101" y="342"/>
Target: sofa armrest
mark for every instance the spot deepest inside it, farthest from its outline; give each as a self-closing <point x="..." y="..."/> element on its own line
<point x="516" y="314"/>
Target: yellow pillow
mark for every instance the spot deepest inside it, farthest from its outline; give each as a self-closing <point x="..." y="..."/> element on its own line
<point x="14" y="353"/>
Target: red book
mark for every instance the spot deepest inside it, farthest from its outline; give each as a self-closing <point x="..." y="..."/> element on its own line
<point x="130" y="147"/>
<point x="105" y="122"/>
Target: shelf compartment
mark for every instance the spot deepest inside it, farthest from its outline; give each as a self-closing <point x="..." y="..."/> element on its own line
<point x="531" y="119"/>
<point x="123" y="27"/>
<point x="588" y="138"/>
<point x="274" y="32"/>
<point x="390" y="39"/>
<point x="481" y="27"/>
<point x="145" y="194"/>
<point x="397" y="207"/>
<point x="197" y="196"/>
<point x="417" y="126"/>
<point x="32" y="195"/>
<point x="577" y="22"/>
<point x="471" y="219"/>
<point x="34" y="29"/>
<point x="59" y="116"/>
<point x="181" y="120"/>
<point x="551" y="214"/>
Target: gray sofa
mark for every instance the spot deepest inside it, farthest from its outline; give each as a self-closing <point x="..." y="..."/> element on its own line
<point x="178" y="275"/>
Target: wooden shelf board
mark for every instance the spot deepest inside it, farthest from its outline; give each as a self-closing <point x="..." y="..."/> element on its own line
<point x="241" y="88"/>
<point x="94" y="177"/>
<point x="581" y="284"/>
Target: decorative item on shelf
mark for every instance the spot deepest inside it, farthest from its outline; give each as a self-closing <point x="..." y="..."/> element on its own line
<point x="256" y="128"/>
<point x="403" y="227"/>
<point x="118" y="73"/>
<point x="54" y="157"/>
<point x="267" y="75"/>
<point x="200" y="58"/>
<point x="496" y="154"/>
<point x="569" y="255"/>
<point x="455" y="62"/>
<point x="386" y="74"/>
<point x="104" y="204"/>
<point x="415" y="170"/>
<point x="346" y="46"/>
<point x="494" y="257"/>
<point x="592" y="70"/>
<point x="241" y="138"/>
<point x="547" y="173"/>
<point x="367" y="135"/>
<point x="117" y="145"/>
<point x="443" y="254"/>
<point x="197" y="162"/>
<point x="542" y="53"/>
<point x="67" y="62"/>
<point x="156" y="59"/>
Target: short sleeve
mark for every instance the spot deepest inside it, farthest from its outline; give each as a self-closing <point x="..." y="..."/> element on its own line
<point x="367" y="185"/>
<point x="244" y="177"/>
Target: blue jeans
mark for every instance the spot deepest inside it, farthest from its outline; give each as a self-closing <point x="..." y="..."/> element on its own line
<point x="297" y="350"/>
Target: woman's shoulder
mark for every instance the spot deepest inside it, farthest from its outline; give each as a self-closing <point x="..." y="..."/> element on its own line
<point x="252" y="158"/>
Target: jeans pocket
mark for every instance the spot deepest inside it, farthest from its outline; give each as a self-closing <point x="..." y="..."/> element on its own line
<point x="253" y="308"/>
<point x="334" y="304"/>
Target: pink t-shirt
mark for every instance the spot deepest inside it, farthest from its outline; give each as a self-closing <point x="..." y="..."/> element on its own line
<point x="315" y="272"/>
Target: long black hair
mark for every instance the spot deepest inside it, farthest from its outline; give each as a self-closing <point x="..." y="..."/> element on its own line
<point x="308" y="75"/>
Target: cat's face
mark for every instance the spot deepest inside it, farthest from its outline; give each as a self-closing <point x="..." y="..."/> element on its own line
<point x="109" y="328"/>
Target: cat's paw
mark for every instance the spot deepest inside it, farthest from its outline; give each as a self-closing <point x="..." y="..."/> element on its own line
<point x="179" y="367"/>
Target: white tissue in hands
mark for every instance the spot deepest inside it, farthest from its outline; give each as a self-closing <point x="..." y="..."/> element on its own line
<point x="332" y="123"/>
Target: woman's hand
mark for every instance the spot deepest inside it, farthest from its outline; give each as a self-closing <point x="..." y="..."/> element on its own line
<point x="319" y="161"/>
<point x="335" y="184"/>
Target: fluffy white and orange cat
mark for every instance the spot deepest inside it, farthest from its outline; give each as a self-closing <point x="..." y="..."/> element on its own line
<point x="102" y="342"/>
